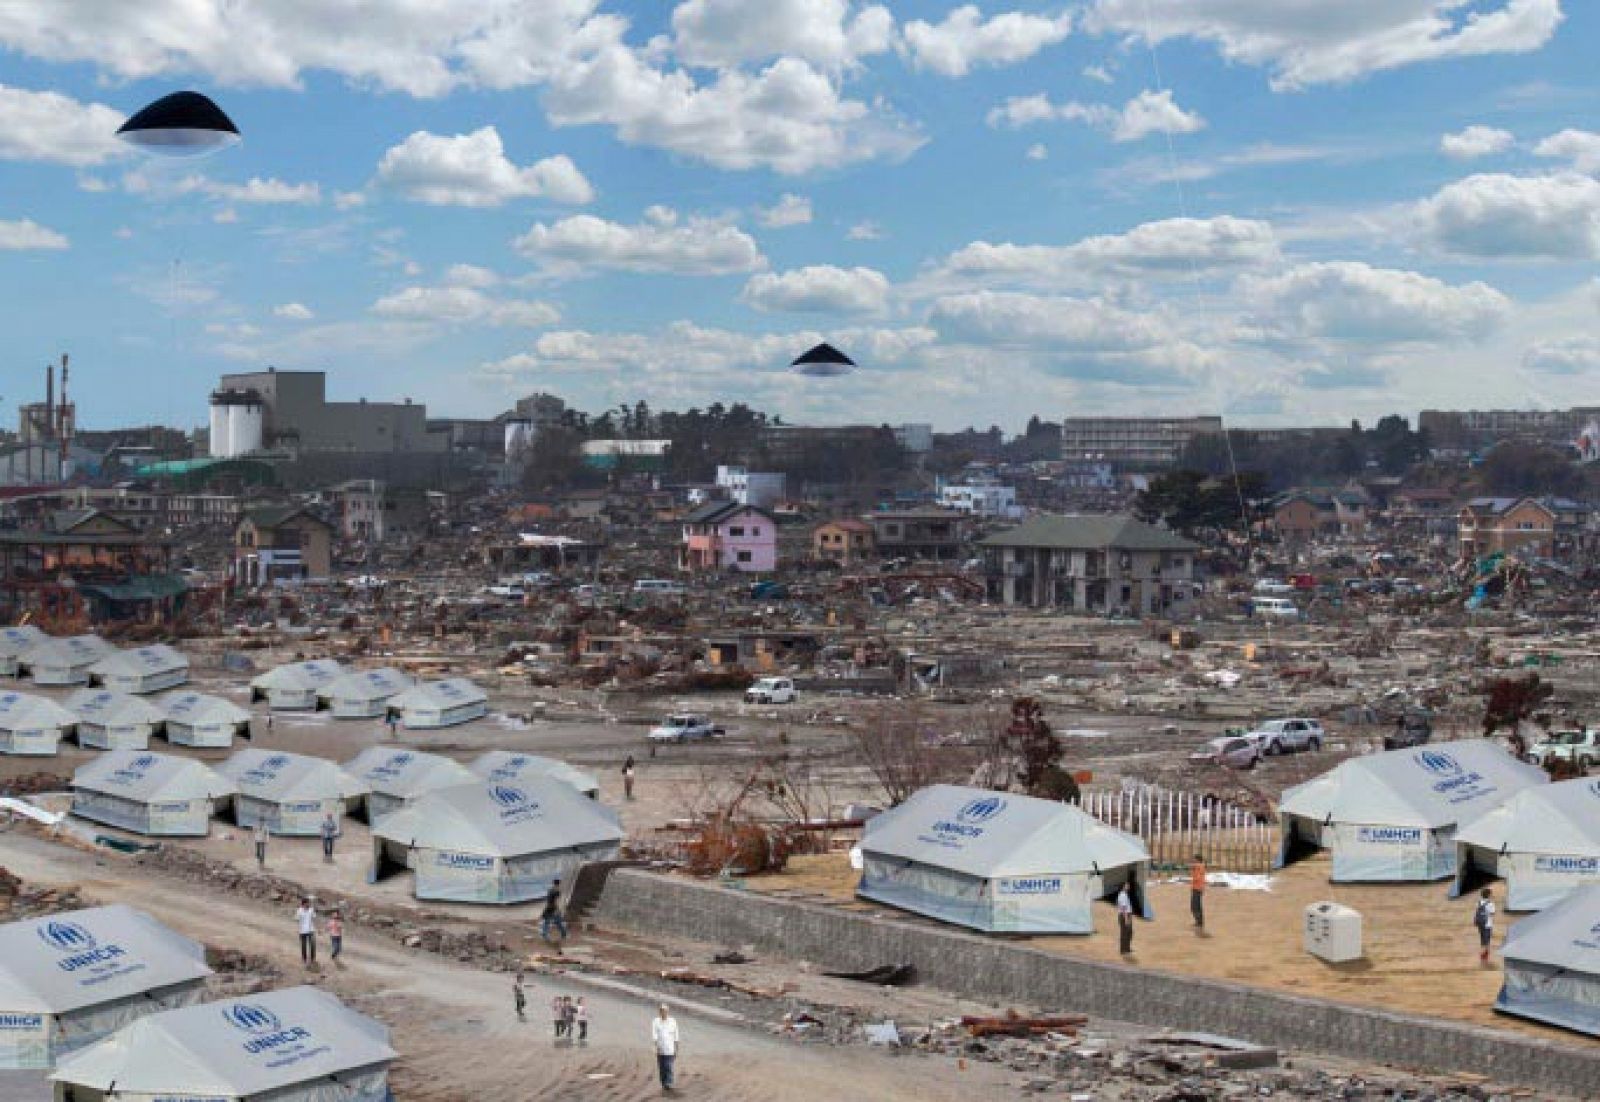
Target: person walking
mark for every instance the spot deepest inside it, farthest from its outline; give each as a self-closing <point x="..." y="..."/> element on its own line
<point x="260" y="835"/>
<point x="335" y="935"/>
<point x="580" y="1015"/>
<point x="558" y="1015"/>
<point x="552" y="912"/>
<point x="1197" y="891"/>
<point x="519" y="997"/>
<point x="1483" y="919"/>
<point x="569" y="1018"/>
<point x="329" y="831"/>
<point x="1125" y="920"/>
<point x="306" y="920"/>
<point x="627" y="778"/>
<point x="664" y="1032"/>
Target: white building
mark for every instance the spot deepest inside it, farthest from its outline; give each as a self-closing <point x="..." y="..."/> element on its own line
<point x="141" y="670"/>
<point x="981" y="499"/>
<point x="32" y="725"/>
<point x="199" y="719"/>
<point x="434" y="704"/>
<point x="915" y="438"/>
<point x="15" y="642"/>
<point x="761" y="489"/>
<point x="296" y="685"/>
<point x="396" y="778"/>
<point x="114" y="721"/>
<point x="155" y="794"/>
<point x="291" y="793"/>
<point x="504" y="766"/>
<point x="64" y="661"/>
<point x="363" y="694"/>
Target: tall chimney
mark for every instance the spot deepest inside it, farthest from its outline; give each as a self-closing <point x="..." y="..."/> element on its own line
<point x="49" y="396"/>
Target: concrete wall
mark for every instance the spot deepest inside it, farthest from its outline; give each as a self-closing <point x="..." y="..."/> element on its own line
<point x="1008" y="970"/>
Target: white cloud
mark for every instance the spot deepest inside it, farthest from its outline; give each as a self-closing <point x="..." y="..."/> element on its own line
<point x="349" y="200"/>
<point x="832" y="33"/>
<point x="26" y="234"/>
<point x="865" y="231"/>
<point x="293" y="311"/>
<point x="790" y="210"/>
<point x="56" y="129"/>
<point x="661" y="243"/>
<point x="1038" y="151"/>
<point x="822" y="288"/>
<point x="1534" y="217"/>
<point x="1348" y="301"/>
<point x="1317" y="43"/>
<point x="470" y="275"/>
<point x="1100" y="73"/>
<point x="258" y="190"/>
<point x="1476" y="141"/>
<point x="965" y="40"/>
<point x="1579" y="147"/>
<point x="1563" y="356"/>
<point x="1005" y="319"/>
<point x="464" y="305"/>
<point x="159" y="182"/>
<point x="1145" y="114"/>
<point x="472" y="170"/>
<point x="227" y="216"/>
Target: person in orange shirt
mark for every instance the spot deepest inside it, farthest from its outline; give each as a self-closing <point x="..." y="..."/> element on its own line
<point x="1197" y="891"/>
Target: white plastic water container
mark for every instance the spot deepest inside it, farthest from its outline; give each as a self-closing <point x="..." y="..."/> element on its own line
<point x="1333" y="932"/>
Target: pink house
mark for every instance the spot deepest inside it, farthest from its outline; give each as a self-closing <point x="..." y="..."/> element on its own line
<point x="724" y="535"/>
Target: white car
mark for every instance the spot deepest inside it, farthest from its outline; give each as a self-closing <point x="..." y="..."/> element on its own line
<point x="1233" y="751"/>
<point x="1274" y="608"/>
<point x="1281" y="736"/>
<point x="683" y="727"/>
<point x="506" y="592"/>
<point x="771" y="690"/>
<point x="1272" y="587"/>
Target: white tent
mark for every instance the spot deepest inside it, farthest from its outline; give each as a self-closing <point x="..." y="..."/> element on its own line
<point x="64" y="661"/>
<point x="364" y="693"/>
<point x="1394" y="815"/>
<point x="494" y="843"/>
<point x="141" y="670"/>
<point x="32" y="724"/>
<point x="291" y="793"/>
<point x="149" y="793"/>
<point x="433" y="704"/>
<point x="294" y="687"/>
<point x="114" y="721"/>
<point x="504" y="765"/>
<point x="298" y="1044"/>
<point x="396" y="777"/>
<point x="1552" y="969"/>
<point x="1543" y="841"/>
<point x="197" y="719"/>
<point x="15" y="642"/>
<point x="998" y="862"/>
<point x="69" y="979"/>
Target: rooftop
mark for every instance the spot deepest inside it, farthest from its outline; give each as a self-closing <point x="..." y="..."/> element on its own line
<point x="1089" y="533"/>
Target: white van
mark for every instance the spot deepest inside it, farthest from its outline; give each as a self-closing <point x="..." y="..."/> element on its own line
<point x="771" y="690"/>
<point x="1274" y="608"/>
<point x="660" y="587"/>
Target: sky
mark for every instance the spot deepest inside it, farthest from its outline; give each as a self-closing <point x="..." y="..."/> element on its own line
<point x="1288" y="212"/>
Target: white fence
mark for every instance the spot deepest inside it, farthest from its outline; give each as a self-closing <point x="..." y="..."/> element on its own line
<point x="1175" y="826"/>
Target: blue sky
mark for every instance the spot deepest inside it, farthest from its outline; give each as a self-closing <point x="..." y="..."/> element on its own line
<point x="1286" y="211"/>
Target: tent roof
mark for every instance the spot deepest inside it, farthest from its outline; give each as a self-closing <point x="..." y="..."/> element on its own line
<point x="197" y="708"/>
<point x="105" y="707"/>
<point x="1561" y="818"/>
<point x="534" y="815"/>
<point x="406" y="773"/>
<point x="18" y="640"/>
<point x="21" y="710"/>
<point x="1432" y="786"/>
<point x="215" y="1048"/>
<point x="141" y="661"/>
<point x="315" y="673"/>
<point x="275" y="776"/>
<point x="368" y="684"/>
<point x="987" y="834"/>
<point x="146" y="777"/>
<point x="1566" y="935"/>
<point x="452" y="692"/>
<point x="505" y="765"/>
<point x="33" y="981"/>
<point x="75" y="650"/>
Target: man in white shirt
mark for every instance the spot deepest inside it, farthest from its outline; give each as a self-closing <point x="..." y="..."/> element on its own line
<point x="664" y="1031"/>
<point x="306" y="920"/>
<point x="1483" y="919"/>
<point x="1125" y="920"/>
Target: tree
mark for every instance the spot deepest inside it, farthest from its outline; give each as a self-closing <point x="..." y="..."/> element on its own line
<point x="555" y="462"/>
<point x="1516" y="468"/>
<point x="1510" y="702"/>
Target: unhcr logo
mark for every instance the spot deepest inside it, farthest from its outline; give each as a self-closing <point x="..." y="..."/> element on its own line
<point x="141" y="763"/>
<point x="251" y="1018"/>
<point x="507" y="796"/>
<point x="1437" y="762"/>
<point x="67" y="937"/>
<point x="981" y="810"/>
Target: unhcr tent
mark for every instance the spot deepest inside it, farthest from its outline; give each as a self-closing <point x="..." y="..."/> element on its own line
<point x="295" y="687"/>
<point x="141" y="670"/>
<point x="503" y="765"/>
<point x="114" y="721"/>
<point x="363" y="694"/>
<point x="32" y="724"/>
<point x="1552" y="964"/>
<point x="396" y="777"/>
<point x="494" y="843"/>
<point x="196" y="719"/>
<point x="291" y="793"/>
<point x="1394" y="815"/>
<point x="65" y="661"/>
<point x="149" y="793"/>
<point x="998" y="862"/>
<point x="15" y="642"/>
<point x="444" y="703"/>
<point x="69" y="979"/>
<point x="1543" y="842"/>
<point x="298" y="1044"/>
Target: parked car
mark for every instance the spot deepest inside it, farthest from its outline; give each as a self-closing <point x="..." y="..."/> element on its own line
<point x="659" y="587"/>
<point x="1282" y="736"/>
<point x="506" y="591"/>
<point x="1232" y="751"/>
<point x="684" y="727"/>
<point x="1274" y="608"/>
<point x="1580" y="748"/>
<point x="1411" y="729"/>
<point x="1273" y="587"/>
<point x="771" y="690"/>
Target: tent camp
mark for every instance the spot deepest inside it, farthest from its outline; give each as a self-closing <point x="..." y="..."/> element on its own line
<point x="512" y="768"/>
<point x="494" y="843"/>
<point x="32" y="724"/>
<point x="69" y="979"/>
<point x="15" y="642"/>
<point x="298" y="1044"/>
<point x="141" y="670"/>
<point x="1543" y="842"/>
<point x="64" y="661"/>
<point x="149" y="793"/>
<point x="444" y="703"/>
<point x="197" y="719"/>
<point x="363" y="694"/>
<point x="998" y="862"/>
<point x="1394" y="815"/>
<point x="294" y="687"/>
<point x="1552" y="964"/>
<point x="114" y="721"/>
<point x="291" y="793"/>
<point x="396" y="777"/>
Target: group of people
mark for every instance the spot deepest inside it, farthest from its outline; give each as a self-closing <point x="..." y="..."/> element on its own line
<point x="328" y="831"/>
<point x="570" y="1017"/>
<point x="305" y="917"/>
<point x="1197" y="904"/>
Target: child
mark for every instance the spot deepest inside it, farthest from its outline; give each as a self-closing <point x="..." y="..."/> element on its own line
<point x="336" y="934"/>
<point x="1483" y="919"/>
<point x="558" y="1012"/>
<point x="581" y="1014"/>
<point x="519" y="997"/>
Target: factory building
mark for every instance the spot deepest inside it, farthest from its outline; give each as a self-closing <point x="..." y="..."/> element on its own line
<point x="288" y="412"/>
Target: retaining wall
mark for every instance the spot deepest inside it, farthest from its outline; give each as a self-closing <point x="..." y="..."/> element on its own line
<point x="954" y="960"/>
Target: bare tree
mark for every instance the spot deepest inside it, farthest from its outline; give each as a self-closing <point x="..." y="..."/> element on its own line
<point x="905" y="750"/>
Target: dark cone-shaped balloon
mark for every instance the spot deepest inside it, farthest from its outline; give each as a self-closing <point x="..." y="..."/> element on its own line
<point x="824" y="359"/>
<point x="184" y="124"/>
